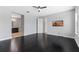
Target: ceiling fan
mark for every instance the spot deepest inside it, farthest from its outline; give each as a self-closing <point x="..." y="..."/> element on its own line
<point x="40" y="7"/>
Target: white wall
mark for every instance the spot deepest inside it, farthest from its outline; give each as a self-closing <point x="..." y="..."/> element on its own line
<point x="68" y="30"/>
<point x="6" y="25"/>
<point x="29" y="24"/>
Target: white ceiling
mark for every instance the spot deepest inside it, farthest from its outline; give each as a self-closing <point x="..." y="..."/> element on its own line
<point x="33" y="11"/>
<point x="55" y="9"/>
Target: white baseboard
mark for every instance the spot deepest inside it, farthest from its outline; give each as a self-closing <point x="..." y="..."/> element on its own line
<point x="2" y="39"/>
<point x="8" y="38"/>
<point x="31" y="34"/>
<point x="62" y="35"/>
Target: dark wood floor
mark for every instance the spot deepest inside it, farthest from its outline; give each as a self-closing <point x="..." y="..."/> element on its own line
<point x="41" y="43"/>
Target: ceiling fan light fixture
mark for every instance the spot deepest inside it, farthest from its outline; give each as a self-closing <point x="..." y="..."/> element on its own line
<point x="38" y="10"/>
<point x="28" y="11"/>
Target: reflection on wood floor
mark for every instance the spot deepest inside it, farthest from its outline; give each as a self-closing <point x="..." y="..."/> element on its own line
<point x="43" y="43"/>
<point x="18" y="34"/>
<point x="15" y="44"/>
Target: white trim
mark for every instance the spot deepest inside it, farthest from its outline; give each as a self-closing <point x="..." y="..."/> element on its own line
<point x="8" y="38"/>
<point x="29" y="34"/>
<point x="76" y="22"/>
<point x="62" y="36"/>
<point x="2" y="39"/>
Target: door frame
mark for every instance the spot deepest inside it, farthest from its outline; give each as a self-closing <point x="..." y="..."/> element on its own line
<point x="22" y="20"/>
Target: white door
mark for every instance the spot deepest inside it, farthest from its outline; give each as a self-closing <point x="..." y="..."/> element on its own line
<point x="40" y="25"/>
<point x="41" y="37"/>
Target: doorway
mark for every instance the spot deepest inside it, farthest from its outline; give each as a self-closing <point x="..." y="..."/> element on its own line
<point x="17" y="25"/>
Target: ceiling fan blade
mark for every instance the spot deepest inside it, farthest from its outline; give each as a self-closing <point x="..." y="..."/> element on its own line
<point x="39" y="7"/>
<point x="36" y="7"/>
<point x="43" y="7"/>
